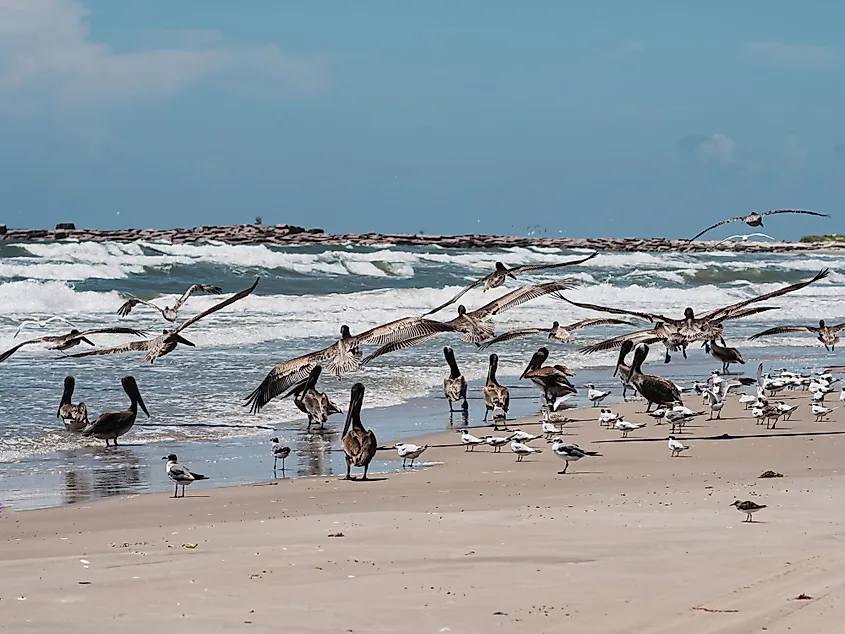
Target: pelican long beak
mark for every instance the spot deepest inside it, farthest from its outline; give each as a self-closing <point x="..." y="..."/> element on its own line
<point x="182" y="340"/>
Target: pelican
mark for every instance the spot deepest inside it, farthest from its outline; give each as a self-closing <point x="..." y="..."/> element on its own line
<point x="359" y="444"/>
<point x="556" y="331"/>
<point x="75" y="417"/>
<point x="180" y="474"/>
<point x="551" y="379"/>
<point x="826" y="334"/>
<point x="495" y="394"/>
<point x="497" y="277"/>
<point x="624" y="369"/>
<point x="41" y="323"/>
<point x="166" y="342"/>
<point x="723" y="353"/>
<point x="407" y="451"/>
<point x="167" y="312"/>
<point x="756" y="219"/>
<point x="71" y="339"/>
<point x="745" y="236"/>
<point x="316" y="405"/>
<point x="654" y="389"/>
<point x="666" y="334"/>
<point x="111" y="425"/>
<point x="280" y="452"/>
<point x="454" y="385"/>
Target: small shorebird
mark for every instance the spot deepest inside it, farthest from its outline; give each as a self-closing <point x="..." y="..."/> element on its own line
<point x="716" y="400"/>
<point x="359" y="444"/>
<point x="820" y="412"/>
<point x="521" y="450"/>
<point x="497" y="442"/>
<point x="755" y="219"/>
<point x="497" y="278"/>
<point x="469" y="441"/>
<point x="169" y="313"/>
<point x="75" y="417"/>
<point x="570" y="452"/>
<point x="550" y="429"/>
<point x="407" y="451"/>
<point x="626" y="427"/>
<point x="280" y="452"/>
<point x="596" y="396"/>
<point x="749" y="508"/>
<point x="41" y="323"/>
<point x="607" y="418"/>
<point x="556" y="331"/>
<point x="111" y="425"/>
<point x="524" y="436"/>
<point x="180" y="474"/>
<point x="493" y="393"/>
<point x="826" y="334"/>
<point x="676" y="446"/>
<point x="747" y="399"/>
<point x="71" y="339"/>
<point x="454" y="385"/>
<point x="785" y="409"/>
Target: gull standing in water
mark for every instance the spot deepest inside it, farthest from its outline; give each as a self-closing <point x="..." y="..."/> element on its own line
<point x="280" y="452"/>
<point x="167" y="312"/>
<point x="111" y="425"/>
<point x="75" y="417"/>
<point x="180" y="474"/>
<point x="454" y="385"/>
<point x="826" y="334"/>
<point x="41" y="323"/>
<point x="359" y="444"/>
<point x="755" y="219"/>
<point x="408" y="451"/>
<point x="556" y="331"/>
<point x="71" y="339"/>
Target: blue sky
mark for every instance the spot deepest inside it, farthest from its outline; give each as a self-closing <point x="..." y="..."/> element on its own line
<point x="585" y="119"/>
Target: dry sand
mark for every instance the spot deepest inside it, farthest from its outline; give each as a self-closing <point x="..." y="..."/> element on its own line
<point x="632" y="541"/>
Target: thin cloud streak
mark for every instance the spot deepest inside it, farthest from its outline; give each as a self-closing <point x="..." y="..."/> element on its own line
<point x="793" y="55"/>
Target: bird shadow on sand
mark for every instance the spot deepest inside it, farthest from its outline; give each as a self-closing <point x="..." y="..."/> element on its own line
<point x="358" y="479"/>
<point x="778" y="432"/>
<point x="578" y="473"/>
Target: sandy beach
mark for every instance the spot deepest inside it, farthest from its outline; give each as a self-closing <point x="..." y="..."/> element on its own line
<point x="632" y="540"/>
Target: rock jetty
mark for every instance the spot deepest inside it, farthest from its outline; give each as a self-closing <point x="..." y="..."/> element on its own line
<point x="295" y="235"/>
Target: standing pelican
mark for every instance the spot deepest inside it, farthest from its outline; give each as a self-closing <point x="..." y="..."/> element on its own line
<point x="826" y="334"/>
<point x="316" y="405"/>
<point x="359" y="444"/>
<point x="556" y="331"/>
<point x="167" y="312"/>
<point x="755" y="219"/>
<point x="454" y="385"/>
<point x="723" y="353"/>
<point x="551" y="379"/>
<point x="111" y="425"/>
<point x="75" y="417"/>
<point x="495" y="394"/>
<point x="654" y="389"/>
<point x="624" y="369"/>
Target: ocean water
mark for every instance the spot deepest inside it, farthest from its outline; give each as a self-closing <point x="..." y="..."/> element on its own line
<point x="195" y="396"/>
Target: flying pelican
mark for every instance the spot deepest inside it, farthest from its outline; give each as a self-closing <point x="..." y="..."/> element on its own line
<point x="654" y="389"/>
<point x="495" y="394"/>
<point x="40" y="323"/>
<point x="723" y="353"/>
<point x="166" y="342"/>
<point x="556" y="331"/>
<point x="756" y="219"/>
<point x="71" y="339"/>
<point x="314" y="404"/>
<point x="75" y="417"/>
<point x="497" y="277"/>
<point x="552" y="379"/>
<point x="167" y="312"/>
<point x="454" y="385"/>
<point x="359" y="444"/>
<point x="180" y="474"/>
<point x="744" y="237"/>
<point x="826" y="334"/>
<point x="112" y="425"/>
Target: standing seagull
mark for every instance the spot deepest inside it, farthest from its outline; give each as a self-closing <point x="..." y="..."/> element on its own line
<point x="407" y="451"/>
<point x="454" y="385"/>
<point x="521" y="450"/>
<point x="359" y="444"/>
<point x="497" y="277"/>
<point x="556" y="331"/>
<point x="596" y="396"/>
<point x="280" y="452"/>
<point x="71" y="339"/>
<point x="180" y="474"/>
<point x="749" y="508"/>
<point x="493" y="393"/>
<point x="166" y="342"/>
<point x="676" y="446"/>
<point x="75" y="417"/>
<point x="756" y="219"/>
<point x="570" y="452"/>
<point x="826" y="334"/>
<point x="112" y="425"/>
<point x="41" y="323"/>
<point x="167" y="312"/>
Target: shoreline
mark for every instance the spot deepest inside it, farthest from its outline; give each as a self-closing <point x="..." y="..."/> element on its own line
<point x="292" y="235"/>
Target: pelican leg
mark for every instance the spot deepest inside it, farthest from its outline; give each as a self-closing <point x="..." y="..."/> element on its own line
<point x="366" y="468"/>
<point x="668" y="357"/>
<point x="684" y="350"/>
<point x="275" y="462"/>
<point x="115" y="441"/>
<point x="487" y="410"/>
<point x="465" y="405"/>
<point x="348" y="468"/>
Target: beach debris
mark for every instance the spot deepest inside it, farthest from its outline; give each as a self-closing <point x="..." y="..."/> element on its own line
<point x="714" y="610"/>
<point x="803" y="597"/>
<point x="188" y="546"/>
<point x="770" y="474"/>
<point x="336" y="535"/>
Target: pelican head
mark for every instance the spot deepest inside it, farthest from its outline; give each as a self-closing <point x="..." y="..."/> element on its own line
<point x="462" y="309"/>
<point x="344" y="332"/>
<point x="131" y="389"/>
<point x="171" y="457"/>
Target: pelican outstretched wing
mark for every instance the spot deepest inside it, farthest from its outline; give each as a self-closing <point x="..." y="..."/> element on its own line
<point x="520" y="296"/>
<point x="541" y="267"/>
<point x="226" y="302"/>
<point x="718" y="224"/>
<point x="196" y="288"/>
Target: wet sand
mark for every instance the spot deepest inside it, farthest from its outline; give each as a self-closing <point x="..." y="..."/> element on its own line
<point x="632" y="540"/>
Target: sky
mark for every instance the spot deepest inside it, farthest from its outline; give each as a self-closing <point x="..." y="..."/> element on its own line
<point x="607" y="118"/>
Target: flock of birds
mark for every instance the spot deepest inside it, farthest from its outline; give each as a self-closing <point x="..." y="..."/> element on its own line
<point x="298" y="378"/>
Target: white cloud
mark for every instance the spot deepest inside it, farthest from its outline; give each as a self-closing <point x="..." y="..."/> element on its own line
<point x="793" y="55"/>
<point x="48" y="58"/>
<point x="714" y="146"/>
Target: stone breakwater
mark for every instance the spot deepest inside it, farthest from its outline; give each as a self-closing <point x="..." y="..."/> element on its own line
<point x="294" y="235"/>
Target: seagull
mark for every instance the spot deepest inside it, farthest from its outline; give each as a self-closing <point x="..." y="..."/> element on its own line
<point x="167" y="312"/>
<point x="820" y="411"/>
<point x="469" y="441"/>
<point x="497" y="442"/>
<point x="563" y="403"/>
<point x="71" y="339"/>
<point x="407" y="451"/>
<point x="556" y="331"/>
<point x="824" y="333"/>
<point x="608" y="418"/>
<point x="744" y="237"/>
<point x="497" y="278"/>
<point x="747" y="399"/>
<point x="717" y="402"/>
<point x="521" y="450"/>
<point x="756" y="219"/>
<point x="280" y="452"/>
<point x="40" y="323"/>
<point x="180" y="474"/>
<point x="676" y="446"/>
<point x="749" y="508"/>
<point x="625" y="427"/>
<point x="596" y="396"/>
<point x="523" y="436"/>
<point x="549" y="429"/>
<point x="570" y="452"/>
<point x="785" y="409"/>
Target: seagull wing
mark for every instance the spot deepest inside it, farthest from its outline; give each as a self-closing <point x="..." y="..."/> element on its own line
<point x="520" y="296"/>
<point x="794" y="211"/>
<point x="761" y="381"/>
<point x="541" y="267"/>
<point x="226" y="302"/>
<point x="460" y="294"/>
<point x="285" y="375"/>
<point x="779" y="330"/>
<point x="513" y="334"/>
<point x="405" y="328"/>
<point x="718" y="224"/>
<point x="196" y="288"/>
<point x="618" y="311"/>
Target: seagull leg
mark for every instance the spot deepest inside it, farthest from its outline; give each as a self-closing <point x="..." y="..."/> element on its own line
<point x="565" y="467"/>
<point x="176" y="491"/>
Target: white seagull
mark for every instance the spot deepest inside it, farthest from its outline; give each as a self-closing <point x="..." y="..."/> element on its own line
<point x="676" y="446"/>
<point x="180" y="474"/>
<point x="497" y="442"/>
<point x="521" y="450"/>
<point x="747" y="399"/>
<point x="523" y="436"/>
<point x="624" y="426"/>
<point x="280" y="452"/>
<point x="717" y="402"/>
<point x="608" y="418"/>
<point x="407" y="451"/>
<point x="569" y="452"/>
<point x="820" y="411"/>
<point x="469" y="441"/>
<point x="785" y="409"/>
<point x="550" y="429"/>
<point x="41" y="323"/>
<point x="596" y="396"/>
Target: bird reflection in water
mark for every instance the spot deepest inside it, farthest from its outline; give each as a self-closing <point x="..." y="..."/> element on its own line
<point x="118" y="473"/>
<point x="463" y="415"/>
<point x="316" y="447"/>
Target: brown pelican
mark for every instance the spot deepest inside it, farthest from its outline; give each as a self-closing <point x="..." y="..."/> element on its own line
<point x="552" y="379"/>
<point x="180" y="474"/>
<point x="756" y="219"/>
<point x="166" y="342"/>
<point x="167" y="312"/>
<point x="454" y="385"/>
<point x="343" y="356"/>
<point x="495" y="394"/>
<point x="654" y="389"/>
<point x="723" y="353"/>
<point x="826" y="334"/>
<point x="316" y="405"/>
<point x="111" y="425"/>
<point x="41" y="323"/>
<point x="359" y="444"/>
<point x="71" y="339"/>
<point x="668" y="335"/>
<point x="75" y="417"/>
<point x="623" y="369"/>
<point x="497" y="277"/>
<point x="556" y="332"/>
